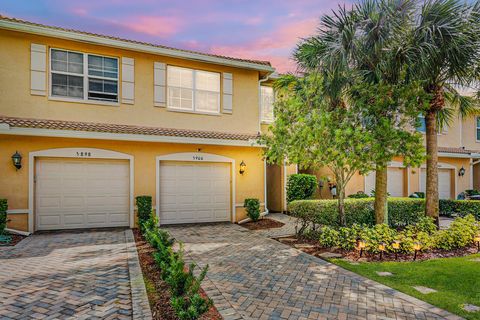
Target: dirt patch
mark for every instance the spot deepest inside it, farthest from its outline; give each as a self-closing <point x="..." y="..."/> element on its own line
<point x="157" y="289"/>
<point x="315" y="249"/>
<point x="263" y="224"/>
<point x="15" y="239"/>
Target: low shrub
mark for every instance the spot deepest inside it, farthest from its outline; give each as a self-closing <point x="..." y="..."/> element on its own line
<point x="311" y="213"/>
<point x="252" y="206"/>
<point x="301" y="186"/>
<point x="359" y="195"/>
<point x="461" y="208"/>
<point x="144" y="209"/>
<point x="184" y="286"/>
<point x="459" y="235"/>
<point x="3" y="215"/>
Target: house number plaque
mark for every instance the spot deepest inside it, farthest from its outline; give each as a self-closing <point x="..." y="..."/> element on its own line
<point x="84" y="154"/>
<point x="198" y="158"/>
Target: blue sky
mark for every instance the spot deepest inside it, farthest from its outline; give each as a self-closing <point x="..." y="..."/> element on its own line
<point x="261" y="29"/>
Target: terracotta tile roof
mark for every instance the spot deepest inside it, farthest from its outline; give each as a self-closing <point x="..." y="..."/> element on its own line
<point x="121" y="129"/>
<point x="456" y="150"/>
<point x="259" y="62"/>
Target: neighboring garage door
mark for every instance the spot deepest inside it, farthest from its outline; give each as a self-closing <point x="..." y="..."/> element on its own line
<point x="81" y="193"/>
<point x="194" y="192"/>
<point x="395" y="182"/>
<point x="444" y="183"/>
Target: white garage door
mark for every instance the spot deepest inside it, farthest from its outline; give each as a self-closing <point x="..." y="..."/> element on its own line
<point x="74" y="193"/>
<point x="194" y="192"/>
<point x="444" y="183"/>
<point x="395" y="182"/>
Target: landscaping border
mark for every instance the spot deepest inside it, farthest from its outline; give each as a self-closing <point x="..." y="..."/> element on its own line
<point x="140" y="304"/>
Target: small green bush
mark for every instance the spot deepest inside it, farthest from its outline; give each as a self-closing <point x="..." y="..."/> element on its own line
<point x="472" y="192"/>
<point x="300" y="186"/>
<point x="461" y="208"/>
<point x="252" y="206"/>
<point x="3" y="215"/>
<point x="359" y="195"/>
<point x="329" y="237"/>
<point x="144" y="208"/>
<point x="458" y="235"/>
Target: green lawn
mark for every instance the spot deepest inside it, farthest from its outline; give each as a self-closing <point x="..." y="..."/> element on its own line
<point x="457" y="280"/>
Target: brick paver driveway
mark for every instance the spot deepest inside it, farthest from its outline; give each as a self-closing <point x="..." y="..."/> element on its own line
<point x="80" y="275"/>
<point x="253" y="277"/>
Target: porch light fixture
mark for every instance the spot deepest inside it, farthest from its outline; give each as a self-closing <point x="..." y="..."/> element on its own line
<point x="17" y="160"/>
<point x="396" y="247"/>
<point x="243" y="167"/>
<point x="381" y="248"/>
<point x="461" y="172"/>
<point x="477" y="240"/>
<point x="416" y="246"/>
<point x="360" y="246"/>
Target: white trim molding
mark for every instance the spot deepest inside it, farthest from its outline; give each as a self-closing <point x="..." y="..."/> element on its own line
<point x="129" y="45"/>
<point x="78" y="153"/>
<point x="17" y="211"/>
<point x="194" y="157"/>
<point x="123" y="137"/>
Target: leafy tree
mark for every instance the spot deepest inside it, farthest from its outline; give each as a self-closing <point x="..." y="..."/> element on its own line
<point x="309" y="132"/>
<point x="367" y="40"/>
<point x="443" y="51"/>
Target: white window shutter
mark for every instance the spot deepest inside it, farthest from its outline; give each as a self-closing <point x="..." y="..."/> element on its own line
<point x="128" y="80"/>
<point x="159" y="84"/>
<point x="227" y="93"/>
<point x="38" y="69"/>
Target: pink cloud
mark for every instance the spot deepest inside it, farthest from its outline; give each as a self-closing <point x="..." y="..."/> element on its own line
<point x="157" y="26"/>
<point x="275" y="47"/>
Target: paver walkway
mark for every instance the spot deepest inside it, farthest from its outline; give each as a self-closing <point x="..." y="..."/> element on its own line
<point x="253" y="277"/>
<point x="288" y="229"/>
<point x="81" y="275"/>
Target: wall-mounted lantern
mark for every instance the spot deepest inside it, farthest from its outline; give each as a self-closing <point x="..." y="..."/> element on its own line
<point x="17" y="160"/>
<point x="461" y="172"/>
<point x="243" y="167"/>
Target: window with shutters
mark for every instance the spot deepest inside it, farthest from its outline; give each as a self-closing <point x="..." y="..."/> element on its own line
<point x="82" y="76"/>
<point x="267" y="100"/>
<point x="193" y="90"/>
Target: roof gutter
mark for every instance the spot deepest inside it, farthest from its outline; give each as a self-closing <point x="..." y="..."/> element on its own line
<point x="122" y="44"/>
<point x="459" y="155"/>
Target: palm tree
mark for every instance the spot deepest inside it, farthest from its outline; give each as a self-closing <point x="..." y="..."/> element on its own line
<point x="366" y="39"/>
<point x="443" y="50"/>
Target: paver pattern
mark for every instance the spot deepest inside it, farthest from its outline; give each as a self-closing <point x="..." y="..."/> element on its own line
<point x="80" y="275"/>
<point x="253" y="277"/>
<point x="286" y="230"/>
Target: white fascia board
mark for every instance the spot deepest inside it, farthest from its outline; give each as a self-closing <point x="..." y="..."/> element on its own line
<point x="124" y="137"/>
<point x="459" y="155"/>
<point x="116" y="43"/>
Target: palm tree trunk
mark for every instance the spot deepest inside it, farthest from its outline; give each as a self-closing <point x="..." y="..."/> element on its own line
<point x="431" y="193"/>
<point x="380" y="205"/>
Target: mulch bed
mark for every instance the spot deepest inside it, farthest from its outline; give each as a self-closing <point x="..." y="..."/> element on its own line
<point x="157" y="289"/>
<point x="263" y="224"/>
<point x="313" y="248"/>
<point x="16" y="238"/>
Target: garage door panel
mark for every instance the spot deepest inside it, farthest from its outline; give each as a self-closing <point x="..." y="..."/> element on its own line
<point x="197" y="192"/>
<point x="444" y="182"/>
<point x="81" y="193"/>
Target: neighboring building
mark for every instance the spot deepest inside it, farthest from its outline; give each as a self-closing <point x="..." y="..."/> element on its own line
<point x="99" y="120"/>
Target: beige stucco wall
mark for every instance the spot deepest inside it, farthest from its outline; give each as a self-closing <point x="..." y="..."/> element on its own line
<point x="14" y="184"/>
<point x="16" y="100"/>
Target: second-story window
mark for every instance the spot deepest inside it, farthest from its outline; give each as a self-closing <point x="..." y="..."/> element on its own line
<point x="267" y="100"/>
<point x="477" y="121"/>
<point x="83" y="76"/>
<point x="193" y="90"/>
<point x="421" y="126"/>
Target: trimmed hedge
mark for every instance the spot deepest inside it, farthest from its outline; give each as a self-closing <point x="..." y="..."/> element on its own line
<point x="301" y="186"/>
<point x="401" y="211"/>
<point x="449" y="208"/>
<point x="144" y="209"/>
<point x="3" y="215"/>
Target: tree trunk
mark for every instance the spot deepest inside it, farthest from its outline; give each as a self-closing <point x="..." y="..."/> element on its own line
<point x="380" y="205"/>
<point x="431" y="192"/>
<point x="341" y="206"/>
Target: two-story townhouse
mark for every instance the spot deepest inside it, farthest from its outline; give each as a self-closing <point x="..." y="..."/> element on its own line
<point x="88" y="122"/>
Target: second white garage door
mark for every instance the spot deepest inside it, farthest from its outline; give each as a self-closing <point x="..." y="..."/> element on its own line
<point x="395" y="186"/>
<point x="194" y="192"/>
<point x="444" y="182"/>
<point x="81" y="193"/>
